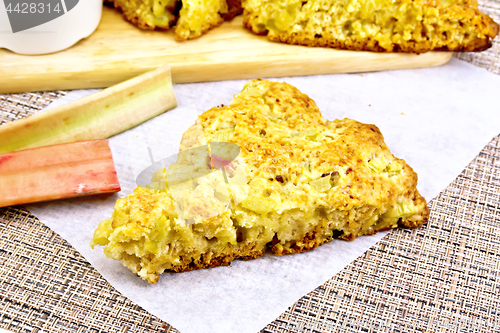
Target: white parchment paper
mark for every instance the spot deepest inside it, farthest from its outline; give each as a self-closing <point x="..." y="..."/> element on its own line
<point x="438" y="119"/>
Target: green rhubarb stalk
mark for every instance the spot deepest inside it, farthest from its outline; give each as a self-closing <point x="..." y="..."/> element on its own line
<point x="98" y="116"/>
<point x="56" y="172"/>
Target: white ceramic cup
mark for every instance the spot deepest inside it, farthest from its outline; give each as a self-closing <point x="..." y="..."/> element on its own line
<point x="45" y="26"/>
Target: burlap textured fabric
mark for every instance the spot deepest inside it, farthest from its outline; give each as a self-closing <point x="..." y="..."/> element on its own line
<point x="444" y="277"/>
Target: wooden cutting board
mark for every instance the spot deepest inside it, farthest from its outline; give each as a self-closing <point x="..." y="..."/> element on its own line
<point x="118" y="51"/>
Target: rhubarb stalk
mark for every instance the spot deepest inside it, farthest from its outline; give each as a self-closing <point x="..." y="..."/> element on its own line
<point x="98" y="116"/>
<point x="56" y="172"/>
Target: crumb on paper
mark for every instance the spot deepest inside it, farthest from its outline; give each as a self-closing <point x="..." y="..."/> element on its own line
<point x="402" y="113"/>
<point x="369" y="105"/>
<point x="81" y="188"/>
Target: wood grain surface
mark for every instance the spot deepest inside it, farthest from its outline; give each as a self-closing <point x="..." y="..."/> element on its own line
<point x="118" y="51"/>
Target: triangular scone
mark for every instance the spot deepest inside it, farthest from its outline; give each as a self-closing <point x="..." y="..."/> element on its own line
<point x="192" y="18"/>
<point x="266" y="173"/>
<point x="414" y="26"/>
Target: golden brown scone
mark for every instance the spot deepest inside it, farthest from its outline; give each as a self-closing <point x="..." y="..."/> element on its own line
<point x="413" y="26"/>
<point x="148" y="14"/>
<point x="192" y="18"/>
<point x="292" y="181"/>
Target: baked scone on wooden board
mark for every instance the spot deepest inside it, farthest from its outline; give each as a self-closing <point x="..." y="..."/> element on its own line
<point x="413" y="26"/>
<point x="265" y="174"/>
<point x="192" y="18"/>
